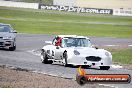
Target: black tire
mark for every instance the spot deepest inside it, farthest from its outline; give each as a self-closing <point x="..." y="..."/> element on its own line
<point x="104" y="67"/>
<point x="12" y="48"/>
<point x="81" y="80"/>
<point x="45" y="58"/>
<point x="65" y="58"/>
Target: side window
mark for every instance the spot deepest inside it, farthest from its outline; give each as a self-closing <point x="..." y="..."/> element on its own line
<point x="70" y="42"/>
<point x="89" y="43"/>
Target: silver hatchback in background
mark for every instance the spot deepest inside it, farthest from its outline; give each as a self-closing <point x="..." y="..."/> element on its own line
<point x="7" y="37"/>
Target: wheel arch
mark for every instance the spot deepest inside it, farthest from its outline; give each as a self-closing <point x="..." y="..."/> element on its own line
<point x="64" y="52"/>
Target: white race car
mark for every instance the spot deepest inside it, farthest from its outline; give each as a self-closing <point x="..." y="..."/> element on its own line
<point x="75" y="50"/>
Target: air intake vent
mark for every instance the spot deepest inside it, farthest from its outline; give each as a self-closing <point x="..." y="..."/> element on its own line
<point x="93" y="58"/>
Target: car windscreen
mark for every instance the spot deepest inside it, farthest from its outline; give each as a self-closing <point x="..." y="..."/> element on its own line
<point x="5" y="28"/>
<point x="76" y="42"/>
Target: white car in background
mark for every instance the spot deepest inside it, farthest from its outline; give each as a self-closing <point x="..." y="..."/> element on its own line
<point x="7" y="37"/>
<point x="75" y="50"/>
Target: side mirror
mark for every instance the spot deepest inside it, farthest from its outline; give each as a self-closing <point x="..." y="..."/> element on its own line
<point x="14" y="31"/>
<point x="95" y="47"/>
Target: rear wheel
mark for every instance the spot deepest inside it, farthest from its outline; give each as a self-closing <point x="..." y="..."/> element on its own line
<point x="104" y="67"/>
<point x="44" y="58"/>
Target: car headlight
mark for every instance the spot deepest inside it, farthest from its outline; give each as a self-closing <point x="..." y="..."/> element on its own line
<point x="7" y="37"/>
<point x="107" y="54"/>
<point x="76" y="52"/>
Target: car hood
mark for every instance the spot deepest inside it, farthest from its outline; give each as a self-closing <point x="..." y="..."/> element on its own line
<point x="89" y="51"/>
<point x="7" y="34"/>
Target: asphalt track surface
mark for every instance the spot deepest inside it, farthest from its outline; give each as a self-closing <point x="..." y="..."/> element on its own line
<point x="27" y="56"/>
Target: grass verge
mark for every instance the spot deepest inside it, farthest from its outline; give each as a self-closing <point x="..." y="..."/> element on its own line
<point x="6" y="86"/>
<point x="122" y="56"/>
<point x="57" y="22"/>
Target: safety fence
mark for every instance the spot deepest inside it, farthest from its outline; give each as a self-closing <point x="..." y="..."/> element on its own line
<point x="118" y="12"/>
<point x="19" y="4"/>
<point x="76" y="9"/>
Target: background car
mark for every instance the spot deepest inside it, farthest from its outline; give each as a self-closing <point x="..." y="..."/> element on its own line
<point x="75" y="50"/>
<point x="7" y="37"/>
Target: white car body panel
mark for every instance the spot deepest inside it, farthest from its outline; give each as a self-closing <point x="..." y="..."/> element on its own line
<point x="84" y="52"/>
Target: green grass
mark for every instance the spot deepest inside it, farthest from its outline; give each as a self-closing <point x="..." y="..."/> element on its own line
<point x="55" y="22"/>
<point x="6" y="86"/>
<point x="123" y="56"/>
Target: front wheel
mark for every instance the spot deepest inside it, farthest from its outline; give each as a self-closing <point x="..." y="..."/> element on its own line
<point x="12" y="48"/>
<point x="104" y="67"/>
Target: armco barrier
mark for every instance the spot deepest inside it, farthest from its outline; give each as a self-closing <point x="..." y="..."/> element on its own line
<point x="122" y="12"/>
<point x="19" y="4"/>
<point x="76" y="9"/>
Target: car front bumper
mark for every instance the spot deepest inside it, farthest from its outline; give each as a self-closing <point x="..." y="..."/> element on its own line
<point x="6" y="43"/>
<point x="81" y="60"/>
